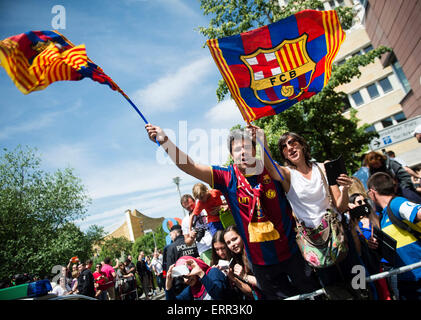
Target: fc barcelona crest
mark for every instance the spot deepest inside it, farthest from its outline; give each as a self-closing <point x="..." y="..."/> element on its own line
<point x="281" y="73"/>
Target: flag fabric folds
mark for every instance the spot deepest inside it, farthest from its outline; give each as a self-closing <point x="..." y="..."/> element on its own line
<point x="271" y="68"/>
<point x="35" y="59"/>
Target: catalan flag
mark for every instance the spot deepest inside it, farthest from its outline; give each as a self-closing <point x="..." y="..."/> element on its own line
<point x="35" y="59"/>
<point x="271" y="68"/>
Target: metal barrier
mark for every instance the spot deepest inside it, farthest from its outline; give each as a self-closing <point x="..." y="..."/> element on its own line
<point x="368" y="279"/>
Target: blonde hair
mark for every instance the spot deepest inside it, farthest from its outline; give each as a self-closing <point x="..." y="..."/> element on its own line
<point x="199" y="190"/>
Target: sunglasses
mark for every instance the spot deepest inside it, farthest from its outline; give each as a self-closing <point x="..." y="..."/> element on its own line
<point x="360" y="202"/>
<point x="290" y="142"/>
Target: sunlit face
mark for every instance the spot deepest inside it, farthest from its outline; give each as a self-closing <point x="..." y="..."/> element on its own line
<point x="244" y="154"/>
<point x="233" y="241"/>
<point x="188" y="204"/>
<point x="221" y="250"/>
<point x="292" y="150"/>
<point x="374" y="161"/>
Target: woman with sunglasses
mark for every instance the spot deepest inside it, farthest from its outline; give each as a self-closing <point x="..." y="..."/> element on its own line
<point x="100" y="282"/>
<point x="304" y="183"/>
<point x="202" y="282"/>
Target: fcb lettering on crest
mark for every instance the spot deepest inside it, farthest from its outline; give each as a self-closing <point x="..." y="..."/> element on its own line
<point x="272" y="70"/>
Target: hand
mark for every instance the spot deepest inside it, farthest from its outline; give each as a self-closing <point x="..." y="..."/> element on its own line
<point x="195" y="269"/>
<point x="372" y="243"/>
<point x="156" y="133"/>
<point x="239" y="270"/>
<point x="344" y="181"/>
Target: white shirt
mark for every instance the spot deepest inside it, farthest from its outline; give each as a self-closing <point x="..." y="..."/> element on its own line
<point x="157" y="263"/>
<point x="206" y="242"/>
<point x="308" y="197"/>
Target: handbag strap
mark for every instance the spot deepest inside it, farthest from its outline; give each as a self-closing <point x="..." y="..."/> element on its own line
<point x="331" y="203"/>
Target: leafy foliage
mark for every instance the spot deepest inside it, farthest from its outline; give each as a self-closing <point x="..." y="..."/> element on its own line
<point x="319" y="119"/>
<point x="146" y="243"/>
<point x="37" y="210"/>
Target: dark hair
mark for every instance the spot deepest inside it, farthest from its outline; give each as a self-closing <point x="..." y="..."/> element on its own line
<point x="301" y="141"/>
<point x="354" y="196"/>
<point x="241" y="258"/>
<point x="373" y="156"/>
<point x="107" y="260"/>
<point x="383" y="183"/>
<point x="390" y="153"/>
<point x="239" y="135"/>
<point x="218" y="237"/>
<point x="89" y="261"/>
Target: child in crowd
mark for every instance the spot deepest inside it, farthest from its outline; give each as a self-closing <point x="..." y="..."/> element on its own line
<point x="211" y="202"/>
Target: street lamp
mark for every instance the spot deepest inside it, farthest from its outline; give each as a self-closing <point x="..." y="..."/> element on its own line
<point x="176" y="180"/>
<point x="153" y="235"/>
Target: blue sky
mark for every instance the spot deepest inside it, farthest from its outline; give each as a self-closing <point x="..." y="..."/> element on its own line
<point x="151" y="49"/>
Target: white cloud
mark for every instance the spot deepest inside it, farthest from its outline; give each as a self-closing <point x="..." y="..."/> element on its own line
<point x="38" y="123"/>
<point x="169" y="91"/>
<point x="225" y="114"/>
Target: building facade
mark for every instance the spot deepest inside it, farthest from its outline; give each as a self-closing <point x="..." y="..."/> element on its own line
<point x="383" y="95"/>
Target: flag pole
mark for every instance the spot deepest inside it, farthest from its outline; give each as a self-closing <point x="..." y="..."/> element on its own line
<point x="268" y="155"/>
<point x="136" y="109"/>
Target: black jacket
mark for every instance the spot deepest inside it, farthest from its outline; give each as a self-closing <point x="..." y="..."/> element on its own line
<point x="178" y="249"/>
<point x="85" y="283"/>
<point x="172" y="253"/>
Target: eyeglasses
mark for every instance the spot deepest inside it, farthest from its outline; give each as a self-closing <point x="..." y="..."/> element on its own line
<point x="360" y="202"/>
<point x="290" y="142"/>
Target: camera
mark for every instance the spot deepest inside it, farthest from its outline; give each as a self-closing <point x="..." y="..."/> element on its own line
<point x="200" y="233"/>
<point x="359" y="212"/>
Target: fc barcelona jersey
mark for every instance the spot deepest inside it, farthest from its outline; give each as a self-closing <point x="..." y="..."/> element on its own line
<point x="275" y="207"/>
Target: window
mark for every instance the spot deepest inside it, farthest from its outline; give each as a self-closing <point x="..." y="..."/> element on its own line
<point x="385" y="84"/>
<point x="340" y="62"/>
<point x="387" y="122"/>
<point x="368" y="48"/>
<point x="401" y="76"/>
<point x="372" y="91"/>
<point x="399" y="117"/>
<point x="332" y="4"/>
<point x="347" y="104"/>
<point x="370" y="129"/>
<point x="358" y="99"/>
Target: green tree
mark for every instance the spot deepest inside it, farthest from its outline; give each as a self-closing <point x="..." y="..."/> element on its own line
<point x="115" y="248"/>
<point x="37" y="210"/>
<point x="319" y="119"/>
<point x="146" y="242"/>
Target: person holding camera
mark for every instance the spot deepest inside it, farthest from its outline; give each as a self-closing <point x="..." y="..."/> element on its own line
<point x="363" y="220"/>
<point x="199" y="233"/>
<point x="201" y="281"/>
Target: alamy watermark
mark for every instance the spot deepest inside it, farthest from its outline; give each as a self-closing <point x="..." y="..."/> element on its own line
<point x="59" y="20"/>
<point x="208" y="147"/>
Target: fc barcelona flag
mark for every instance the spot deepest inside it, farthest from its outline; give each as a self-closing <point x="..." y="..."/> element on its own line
<point x="271" y="68"/>
<point x="35" y="59"/>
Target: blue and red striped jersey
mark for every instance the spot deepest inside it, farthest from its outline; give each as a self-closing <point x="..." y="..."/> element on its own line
<point x="275" y="206"/>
